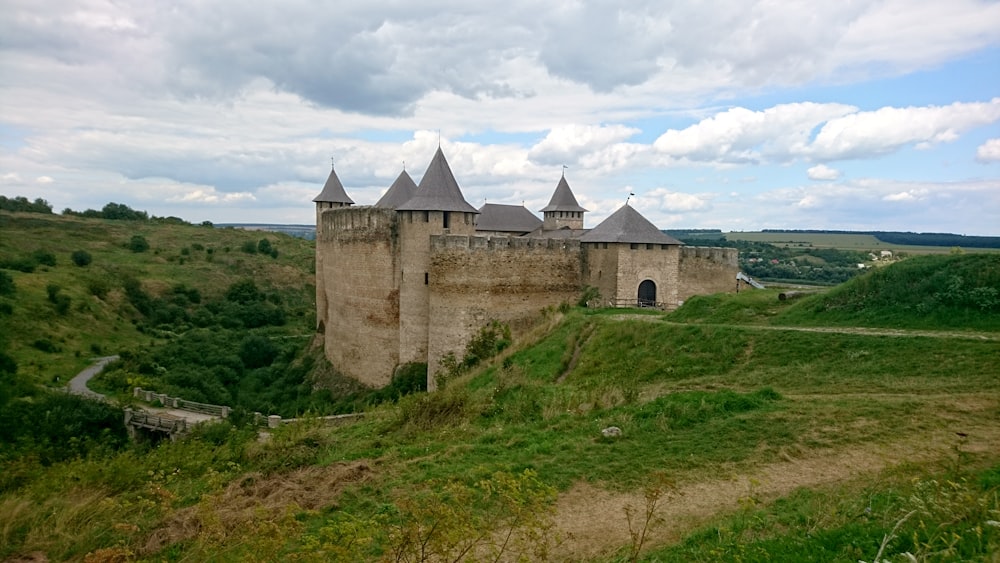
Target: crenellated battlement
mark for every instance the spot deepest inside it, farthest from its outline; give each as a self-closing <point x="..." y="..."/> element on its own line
<point x="355" y="222"/>
<point x="719" y="255"/>
<point x="501" y="243"/>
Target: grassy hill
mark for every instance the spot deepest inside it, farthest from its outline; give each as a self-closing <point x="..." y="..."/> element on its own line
<point x="61" y="314"/>
<point x="748" y="429"/>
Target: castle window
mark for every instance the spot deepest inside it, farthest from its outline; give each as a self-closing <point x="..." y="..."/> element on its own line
<point x="605" y="246"/>
<point x="427" y="216"/>
<point x="664" y="246"/>
<point x="447" y="219"/>
<point x="427" y="278"/>
<point x="649" y="247"/>
<point x="633" y="246"/>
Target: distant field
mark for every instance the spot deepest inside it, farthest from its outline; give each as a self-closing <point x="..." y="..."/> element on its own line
<point x="842" y="241"/>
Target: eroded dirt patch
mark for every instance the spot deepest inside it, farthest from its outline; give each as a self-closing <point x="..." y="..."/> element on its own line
<point x="255" y="497"/>
<point x="595" y="518"/>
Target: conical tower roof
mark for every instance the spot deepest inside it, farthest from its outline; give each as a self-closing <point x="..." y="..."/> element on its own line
<point x="563" y="199"/>
<point x="629" y="226"/>
<point x="333" y="191"/>
<point x="399" y="192"/>
<point x="438" y="190"/>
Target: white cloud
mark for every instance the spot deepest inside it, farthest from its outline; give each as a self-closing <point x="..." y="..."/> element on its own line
<point x="568" y="144"/>
<point x="44" y="180"/>
<point x="869" y="133"/>
<point x="739" y="135"/>
<point x="989" y="151"/>
<point x="822" y="172"/>
<point x="675" y="202"/>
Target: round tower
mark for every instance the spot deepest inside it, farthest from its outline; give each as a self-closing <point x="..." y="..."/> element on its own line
<point x="436" y="208"/>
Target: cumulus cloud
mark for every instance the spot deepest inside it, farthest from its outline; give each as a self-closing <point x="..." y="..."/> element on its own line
<point x="741" y="136"/>
<point x="822" y="172"/>
<point x="869" y="133"/>
<point x="567" y="144"/>
<point x="785" y="132"/>
<point x="676" y="202"/>
<point x="989" y="151"/>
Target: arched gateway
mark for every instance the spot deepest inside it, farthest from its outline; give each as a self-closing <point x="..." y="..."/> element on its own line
<point x="647" y="293"/>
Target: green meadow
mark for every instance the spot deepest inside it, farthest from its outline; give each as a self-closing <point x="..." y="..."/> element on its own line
<point x="861" y="422"/>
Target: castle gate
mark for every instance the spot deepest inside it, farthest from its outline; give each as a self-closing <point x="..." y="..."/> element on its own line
<point x="647" y="293"/>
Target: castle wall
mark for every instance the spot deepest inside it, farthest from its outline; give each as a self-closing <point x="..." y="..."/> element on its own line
<point x="357" y="256"/>
<point x="600" y="269"/>
<point x="415" y="231"/>
<point x="478" y="279"/>
<point x="706" y="270"/>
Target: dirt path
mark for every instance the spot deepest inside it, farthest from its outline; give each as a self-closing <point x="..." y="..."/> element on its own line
<point x="595" y="517"/>
<point x="898" y="332"/>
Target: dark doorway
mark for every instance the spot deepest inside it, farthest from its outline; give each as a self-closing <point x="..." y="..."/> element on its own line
<point x="647" y="294"/>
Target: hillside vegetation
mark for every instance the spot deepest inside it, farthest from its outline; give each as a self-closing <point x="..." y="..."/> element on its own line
<point x="742" y="432"/>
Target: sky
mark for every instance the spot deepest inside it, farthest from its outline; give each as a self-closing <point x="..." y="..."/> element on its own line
<point x="721" y="114"/>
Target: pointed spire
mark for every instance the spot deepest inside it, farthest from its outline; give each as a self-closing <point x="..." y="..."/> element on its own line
<point x="333" y="190"/>
<point x="629" y="226"/>
<point x="563" y="198"/>
<point x="399" y="192"/>
<point x="438" y="190"/>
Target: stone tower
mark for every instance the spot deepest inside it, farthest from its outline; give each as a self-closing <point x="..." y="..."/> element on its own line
<point x="332" y="196"/>
<point x="563" y="211"/>
<point x="436" y="208"/>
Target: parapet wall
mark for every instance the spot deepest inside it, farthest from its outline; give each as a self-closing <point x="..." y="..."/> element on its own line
<point x="705" y="270"/>
<point x="478" y="279"/>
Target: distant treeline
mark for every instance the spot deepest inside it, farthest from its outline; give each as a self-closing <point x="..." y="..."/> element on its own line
<point x="912" y="239"/>
<point x="113" y="211"/>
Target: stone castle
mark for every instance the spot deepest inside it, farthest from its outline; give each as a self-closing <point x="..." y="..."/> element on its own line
<point x="415" y="276"/>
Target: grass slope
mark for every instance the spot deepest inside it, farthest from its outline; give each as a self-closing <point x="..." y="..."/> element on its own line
<point x="48" y="343"/>
<point x="838" y="436"/>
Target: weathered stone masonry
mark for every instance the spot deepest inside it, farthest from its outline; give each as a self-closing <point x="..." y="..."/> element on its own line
<point x="413" y="281"/>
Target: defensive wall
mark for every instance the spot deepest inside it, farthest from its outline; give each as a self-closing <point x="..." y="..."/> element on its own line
<point x="391" y="289"/>
<point x="478" y="279"/>
<point x="705" y="270"/>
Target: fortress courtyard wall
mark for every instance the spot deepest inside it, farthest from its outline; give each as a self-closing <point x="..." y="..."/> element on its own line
<point x="478" y="279"/>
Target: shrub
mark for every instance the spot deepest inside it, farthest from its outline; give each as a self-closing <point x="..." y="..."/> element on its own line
<point x="45" y="345"/>
<point x="26" y="265"/>
<point x="44" y="257"/>
<point x="249" y="247"/>
<point x="264" y="246"/>
<point x="81" y="258"/>
<point x="98" y="287"/>
<point x="257" y="352"/>
<point x="244" y="291"/>
<point x="138" y="243"/>
<point x="7" y="286"/>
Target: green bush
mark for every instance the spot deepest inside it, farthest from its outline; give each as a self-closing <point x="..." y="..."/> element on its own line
<point x="44" y="257"/>
<point x="81" y="258"/>
<point x="249" y="247"/>
<point x="99" y="287"/>
<point x="138" y="243"/>
<point x="26" y="265"/>
<point x="7" y="286"/>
